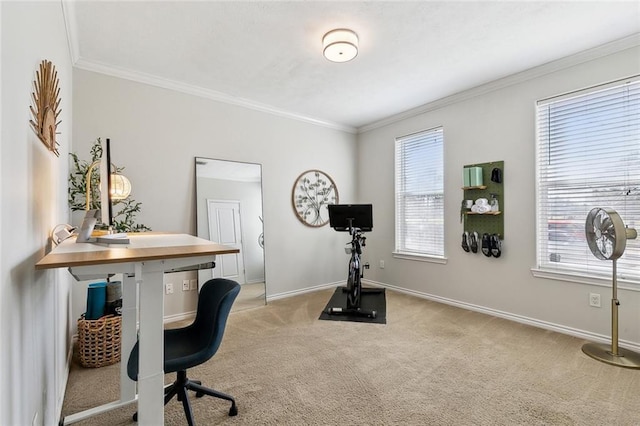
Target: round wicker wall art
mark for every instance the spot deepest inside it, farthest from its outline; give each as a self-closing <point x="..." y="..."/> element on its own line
<point x="312" y="191"/>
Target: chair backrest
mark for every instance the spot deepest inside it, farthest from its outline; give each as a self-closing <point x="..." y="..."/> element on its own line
<point x="202" y="338"/>
<point x="214" y="304"/>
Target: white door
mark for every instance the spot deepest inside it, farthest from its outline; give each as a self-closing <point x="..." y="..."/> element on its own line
<point x="225" y="228"/>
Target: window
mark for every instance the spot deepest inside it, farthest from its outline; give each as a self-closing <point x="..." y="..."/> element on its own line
<point x="420" y="194"/>
<point x="588" y="156"/>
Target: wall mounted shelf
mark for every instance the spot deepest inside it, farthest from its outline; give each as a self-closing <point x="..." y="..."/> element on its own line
<point x="489" y="222"/>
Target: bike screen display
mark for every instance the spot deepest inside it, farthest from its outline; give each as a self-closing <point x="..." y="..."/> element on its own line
<point x="343" y="217"/>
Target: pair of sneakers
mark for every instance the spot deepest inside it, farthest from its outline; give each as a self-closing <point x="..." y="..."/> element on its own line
<point x="491" y="245"/>
<point x="470" y="241"/>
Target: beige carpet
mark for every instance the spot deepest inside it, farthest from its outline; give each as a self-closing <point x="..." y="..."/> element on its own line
<point x="251" y="296"/>
<point x="431" y="364"/>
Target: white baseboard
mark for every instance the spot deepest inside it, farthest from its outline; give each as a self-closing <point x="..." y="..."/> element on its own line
<point x="304" y="291"/>
<point x="179" y="317"/>
<point x="582" y="334"/>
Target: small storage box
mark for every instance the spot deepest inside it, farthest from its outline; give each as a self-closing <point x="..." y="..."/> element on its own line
<point x="99" y="341"/>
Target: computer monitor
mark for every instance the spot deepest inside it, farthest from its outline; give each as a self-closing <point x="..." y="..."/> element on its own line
<point x="343" y="217"/>
<point x="106" y="206"/>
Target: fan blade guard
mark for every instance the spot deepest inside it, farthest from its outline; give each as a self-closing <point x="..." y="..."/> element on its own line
<point x="605" y="233"/>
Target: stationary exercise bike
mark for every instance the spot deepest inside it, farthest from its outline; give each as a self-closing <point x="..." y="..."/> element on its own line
<point x="355" y="219"/>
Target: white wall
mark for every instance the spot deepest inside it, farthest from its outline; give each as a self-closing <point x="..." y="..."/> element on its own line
<point x="33" y="305"/>
<point x="157" y="133"/>
<point x="499" y="125"/>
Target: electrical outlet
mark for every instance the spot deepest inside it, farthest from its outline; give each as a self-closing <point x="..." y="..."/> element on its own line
<point x="594" y="300"/>
<point x="168" y="288"/>
<point x="193" y="284"/>
<point x="185" y="285"/>
<point x="382" y="264"/>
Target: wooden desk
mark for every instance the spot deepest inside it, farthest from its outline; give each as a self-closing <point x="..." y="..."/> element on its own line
<point x="142" y="262"/>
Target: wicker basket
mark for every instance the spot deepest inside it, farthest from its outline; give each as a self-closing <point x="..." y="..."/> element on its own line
<point x="99" y="341"/>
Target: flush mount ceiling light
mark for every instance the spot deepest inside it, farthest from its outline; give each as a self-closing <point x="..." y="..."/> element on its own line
<point x="340" y="45"/>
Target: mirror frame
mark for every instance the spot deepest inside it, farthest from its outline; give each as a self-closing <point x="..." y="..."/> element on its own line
<point x="202" y="231"/>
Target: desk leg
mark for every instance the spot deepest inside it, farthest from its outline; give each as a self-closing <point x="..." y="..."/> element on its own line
<point x="129" y="335"/>
<point x="151" y="367"/>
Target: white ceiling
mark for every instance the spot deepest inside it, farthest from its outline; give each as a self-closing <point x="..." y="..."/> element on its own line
<point x="268" y="54"/>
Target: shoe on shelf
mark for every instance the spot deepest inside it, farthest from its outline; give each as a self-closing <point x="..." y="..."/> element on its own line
<point x="465" y="241"/>
<point x="486" y="244"/>
<point x="474" y="241"/>
<point x="496" y="245"/>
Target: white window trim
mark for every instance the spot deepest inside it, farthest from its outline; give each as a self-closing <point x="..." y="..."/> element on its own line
<point x="420" y="257"/>
<point x="411" y="255"/>
<point x="569" y="275"/>
<point x="584" y="279"/>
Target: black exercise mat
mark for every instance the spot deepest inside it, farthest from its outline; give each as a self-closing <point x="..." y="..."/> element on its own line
<point x="371" y="299"/>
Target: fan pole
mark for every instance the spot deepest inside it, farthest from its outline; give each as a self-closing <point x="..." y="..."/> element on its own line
<point x="613" y="355"/>
<point x="615" y="303"/>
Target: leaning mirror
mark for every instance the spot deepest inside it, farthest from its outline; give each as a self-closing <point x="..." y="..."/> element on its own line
<point x="229" y="212"/>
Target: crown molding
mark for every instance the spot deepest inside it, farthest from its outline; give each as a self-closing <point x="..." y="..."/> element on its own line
<point x="177" y="86"/>
<point x="547" y="68"/>
<point x="68" y="10"/>
<point x="530" y="74"/>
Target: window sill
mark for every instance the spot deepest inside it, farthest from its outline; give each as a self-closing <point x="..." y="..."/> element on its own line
<point x="584" y="279"/>
<point x="420" y="257"/>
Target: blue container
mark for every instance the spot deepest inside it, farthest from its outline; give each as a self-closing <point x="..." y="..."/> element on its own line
<point x="96" y="300"/>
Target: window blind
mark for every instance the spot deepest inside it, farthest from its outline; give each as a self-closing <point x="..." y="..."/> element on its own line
<point x="588" y="156"/>
<point x="419" y="187"/>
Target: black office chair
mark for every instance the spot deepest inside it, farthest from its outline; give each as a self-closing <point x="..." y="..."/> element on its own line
<point x="195" y="344"/>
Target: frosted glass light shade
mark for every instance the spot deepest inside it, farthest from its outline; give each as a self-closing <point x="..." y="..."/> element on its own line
<point x="120" y="187"/>
<point x="340" y="45"/>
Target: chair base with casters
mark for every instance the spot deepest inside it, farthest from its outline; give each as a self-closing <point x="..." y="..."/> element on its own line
<point x="180" y="387"/>
<point x="195" y="344"/>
